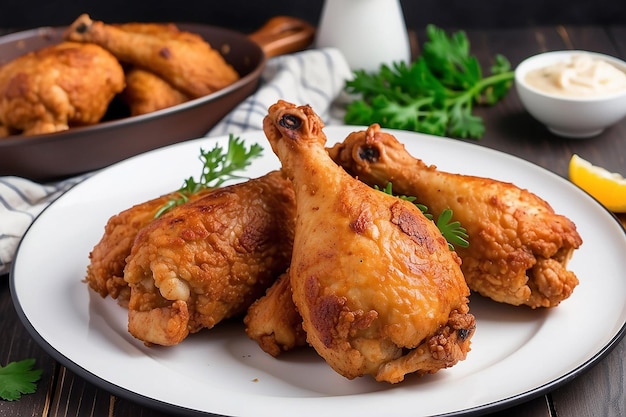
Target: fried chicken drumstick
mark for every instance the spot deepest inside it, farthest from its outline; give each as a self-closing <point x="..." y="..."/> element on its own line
<point x="379" y="291"/>
<point x="210" y="259"/>
<point x="186" y="62"/>
<point x="145" y="91"/>
<point x="519" y="247"/>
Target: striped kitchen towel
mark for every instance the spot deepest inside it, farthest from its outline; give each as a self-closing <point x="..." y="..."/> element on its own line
<point x="315" y="77"/>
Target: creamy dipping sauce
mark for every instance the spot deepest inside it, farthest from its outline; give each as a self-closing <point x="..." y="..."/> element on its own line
<point x="581" y="76"/>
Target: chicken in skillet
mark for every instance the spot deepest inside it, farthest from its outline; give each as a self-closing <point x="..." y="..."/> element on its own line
<point x="186" y="62"/>
<point x="58" y="87"/>
<point x="145" y="91"/>
<point x="519" y="247"/>
<point x="379" y="291"/>
<point x="273" y="320"/>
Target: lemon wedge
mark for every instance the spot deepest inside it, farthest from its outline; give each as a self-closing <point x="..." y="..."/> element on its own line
<point x="608" y="188"/>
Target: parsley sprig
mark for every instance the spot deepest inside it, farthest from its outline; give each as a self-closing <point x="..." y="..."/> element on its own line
<point x="434" y="94"/>
<point x="218" y="166"/>
<point x="452" y="231"/>
<point x="17" y="378"/>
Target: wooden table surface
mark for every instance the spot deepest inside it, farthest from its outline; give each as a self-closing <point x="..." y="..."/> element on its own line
<point x="599" y="391"/>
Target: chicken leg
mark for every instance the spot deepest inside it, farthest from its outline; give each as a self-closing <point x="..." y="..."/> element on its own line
<point x="193" y="67"/>
<point x="378" y="289"/>
<point x="519" y="247"/>
<point x="145" y="91"/>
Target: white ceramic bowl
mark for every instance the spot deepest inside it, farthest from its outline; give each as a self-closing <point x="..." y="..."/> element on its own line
<point x="572" y="117"/>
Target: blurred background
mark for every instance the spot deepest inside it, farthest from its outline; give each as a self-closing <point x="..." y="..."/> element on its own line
<point x="247" y="15"/>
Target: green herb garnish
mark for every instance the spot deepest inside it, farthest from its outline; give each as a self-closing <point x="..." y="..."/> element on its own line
<point x="434" y="94"/>
<point x="17" y="378"/>
<point x="453" y="232"/>
<point x="217" y="168"/>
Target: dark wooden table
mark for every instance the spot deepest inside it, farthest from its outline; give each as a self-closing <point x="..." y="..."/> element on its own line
<point x="600" y="391"/>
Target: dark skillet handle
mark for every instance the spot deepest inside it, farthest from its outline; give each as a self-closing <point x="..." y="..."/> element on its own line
<point x="283" y="35"/>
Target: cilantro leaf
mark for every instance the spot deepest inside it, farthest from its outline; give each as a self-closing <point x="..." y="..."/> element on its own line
<point x="17" y="378"/>
<point x="434" y="94"/>
<point x="463" y="124"/>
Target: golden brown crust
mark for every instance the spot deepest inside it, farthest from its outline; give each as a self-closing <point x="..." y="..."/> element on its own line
<point x="372" y="278"/>
<point x="217" y="255"/>
<point x="273" y="320"/>
<point x="519" y="247"/>
<point x="444" y="349"/>
<point x="146" y="92"/>
<point x="56" y="87"/>
<point x="186" y="62"/>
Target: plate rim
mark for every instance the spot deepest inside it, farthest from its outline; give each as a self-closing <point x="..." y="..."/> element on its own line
<point x="160" y="405"/>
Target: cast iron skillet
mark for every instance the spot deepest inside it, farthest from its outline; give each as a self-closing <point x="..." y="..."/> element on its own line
<point x="81" y="149"/>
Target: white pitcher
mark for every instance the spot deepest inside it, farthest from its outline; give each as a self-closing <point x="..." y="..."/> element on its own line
<point x="368" y="32"/>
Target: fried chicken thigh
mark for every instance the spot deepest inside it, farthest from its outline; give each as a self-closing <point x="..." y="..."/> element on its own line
<point x="186" y="62"/>
<point x="379" y="291"/>
<point x="56" y="87"/>
<point x="519" y="247"/>
<point x="107" y="259"/>
<point x="210" y="259"/>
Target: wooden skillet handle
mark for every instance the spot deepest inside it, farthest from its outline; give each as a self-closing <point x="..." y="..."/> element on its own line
<point x="283" y="35"/>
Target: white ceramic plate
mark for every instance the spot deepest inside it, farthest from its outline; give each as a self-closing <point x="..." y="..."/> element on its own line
<point x="517" y="353"/>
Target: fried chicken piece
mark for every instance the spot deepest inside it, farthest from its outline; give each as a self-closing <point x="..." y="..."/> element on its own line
<point x="160" y="30"/>
<point x="192" y="67"/>
<point x="107" y="259"/>
<point x="57" y="87"/>
<point x="145" y="91"/>
<point x="273" y="320"/>
<point x="379" y="291"/>
<point x="519" y="247"/>
<point x="210" y="259"/>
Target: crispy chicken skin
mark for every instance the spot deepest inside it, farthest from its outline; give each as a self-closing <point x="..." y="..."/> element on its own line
<point x="107" y="259"/>
<point x="145" y="91"/>
<point x="379" y="291"/>
<point x="161" y="30"/>
<point x="56" y="87"/>
<point x="273" y="320"/>
<point x="210" y="259"/>
<point x="193" y="67"/>
<point x="519" y="247"/>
